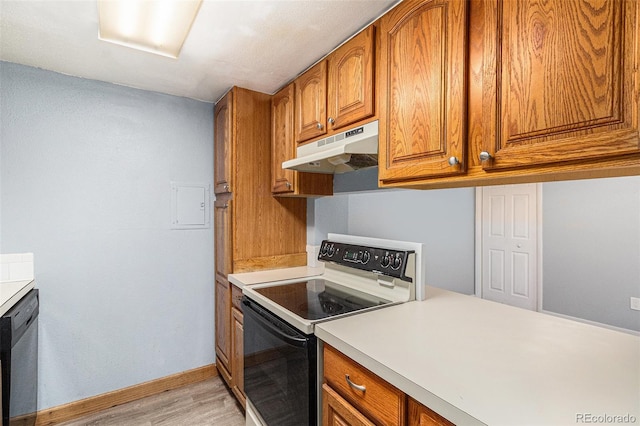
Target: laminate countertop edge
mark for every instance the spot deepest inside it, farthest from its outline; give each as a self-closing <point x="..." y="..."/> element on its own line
<point x="272" y="275"/>
<point x="12" y="291"/>
<point x="478" y="362"/>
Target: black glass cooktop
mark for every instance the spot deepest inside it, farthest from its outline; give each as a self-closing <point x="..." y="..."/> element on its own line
<point x="318" y="298"/>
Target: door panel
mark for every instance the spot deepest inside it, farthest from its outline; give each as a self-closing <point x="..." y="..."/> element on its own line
<point x="311" y="103"/>
<point x="283" y="149"/>
<point x="350" y="95"/>
<point x="509" y="245"/>
<point x="565" y="81"/>
<point x="222" y="145"/>
<point x="422" y="95"/>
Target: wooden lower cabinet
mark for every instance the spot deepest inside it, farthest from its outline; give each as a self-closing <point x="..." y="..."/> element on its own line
<point x="419" y="415"/>
<point x="223" y="329"/>
<point x="336" y="411"/>
<point x="354" y="396"/>
<point x="237" y="361"/>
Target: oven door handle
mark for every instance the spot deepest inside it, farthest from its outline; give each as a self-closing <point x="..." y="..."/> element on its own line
<point x="300" y="342"/>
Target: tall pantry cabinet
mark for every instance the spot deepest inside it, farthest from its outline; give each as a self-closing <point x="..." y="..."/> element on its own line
<point x="253" y="230"/>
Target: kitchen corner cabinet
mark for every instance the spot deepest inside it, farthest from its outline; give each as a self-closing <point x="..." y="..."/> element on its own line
<point x="422" y="96"/>
<point x="283" y="147"/>
<point x="253" y="230"/>
<point x="354" y="396"/>
<point x="565" y="85"/>
<point x="338" y="91"/>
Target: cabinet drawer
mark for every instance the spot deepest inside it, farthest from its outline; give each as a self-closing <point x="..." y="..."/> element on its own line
<point x="379" y="401"/>
<point x="236" y="297"/>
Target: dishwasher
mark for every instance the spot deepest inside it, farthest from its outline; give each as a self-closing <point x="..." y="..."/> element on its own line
<point x="19" y="358"/>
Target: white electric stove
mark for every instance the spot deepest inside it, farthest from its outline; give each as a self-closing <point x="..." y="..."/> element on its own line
<point x="282" y="357"/>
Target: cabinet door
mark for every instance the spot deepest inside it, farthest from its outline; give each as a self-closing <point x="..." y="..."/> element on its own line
<point x="419" y="415"/>
<point x="422" y="96"/>
<point x="336" y="411"/>
<point x="350" y="68"/>
<point x="222" y="236"/>
<point x="237" y="363"/>
<point x="223" y="148"/>
<point x="223" y="327"/>
<point x="282" y="143"/>
<point x="565" y="85"/>
<point x="311" y="100"/>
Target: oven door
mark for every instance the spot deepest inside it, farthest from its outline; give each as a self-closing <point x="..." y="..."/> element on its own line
<point x="279" y="368"/>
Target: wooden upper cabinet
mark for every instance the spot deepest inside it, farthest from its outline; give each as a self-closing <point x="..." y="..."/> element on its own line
<point x="283" y="148"/>
<point x="223" y="147"/>
<point x="351" y="79"/>
<point x="310" y="103"/>
<point x="565" y="88"/>
<point x="422" y="93"/>
<point x="338" y="91"/>
<point x="282" y="142"/>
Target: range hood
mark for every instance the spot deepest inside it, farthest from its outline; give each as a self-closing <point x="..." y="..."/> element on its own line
<point x="353" y="149"/>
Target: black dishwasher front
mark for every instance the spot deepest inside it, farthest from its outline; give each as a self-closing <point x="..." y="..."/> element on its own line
<point x="19" y="357"/>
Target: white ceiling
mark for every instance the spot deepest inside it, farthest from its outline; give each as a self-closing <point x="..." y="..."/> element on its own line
<point x="256" y="44"/>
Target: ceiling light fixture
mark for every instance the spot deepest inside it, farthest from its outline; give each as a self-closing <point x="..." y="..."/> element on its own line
<point x="156" y="26"/>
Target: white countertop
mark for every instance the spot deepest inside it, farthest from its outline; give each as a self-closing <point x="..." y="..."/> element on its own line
<point x="271" y="275"/>
<point x="476" y="361"/>
<point x="12" y="291"/>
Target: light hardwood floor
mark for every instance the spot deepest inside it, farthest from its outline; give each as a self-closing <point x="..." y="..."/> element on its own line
<point x="201" y="404"/>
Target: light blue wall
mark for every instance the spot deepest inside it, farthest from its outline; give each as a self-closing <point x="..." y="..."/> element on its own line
<point x="441" y="219"/>
<point x="85" y="185"/>
<point x="591" y="249"/>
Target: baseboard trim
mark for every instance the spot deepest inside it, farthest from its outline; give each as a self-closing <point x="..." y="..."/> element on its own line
<point x="73" y="410"/>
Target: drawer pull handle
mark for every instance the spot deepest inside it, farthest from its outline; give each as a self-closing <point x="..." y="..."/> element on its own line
<point x="353" y="385"/>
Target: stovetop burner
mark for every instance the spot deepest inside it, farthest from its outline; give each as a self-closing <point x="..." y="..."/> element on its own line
<point x="318" y="298"/>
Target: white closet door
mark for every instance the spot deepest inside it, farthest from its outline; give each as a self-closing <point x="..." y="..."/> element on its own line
<point x="509" y="251"/>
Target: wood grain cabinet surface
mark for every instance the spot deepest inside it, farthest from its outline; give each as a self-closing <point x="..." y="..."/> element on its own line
<point x="311" y="103"/>
<point x="497" y="92"/>
<point x="222" y="145"/>
<point x="351" y="79"/>
<point x="380" y="402"/>
<point x="223" y="328"/>
<point x="283" y="147"/>
<point x="237" y="336"/>
<point x="565" y="82"/>
<point x="422" y="97"/>
<point x="354" y="396"/>
<point x="338" y="91"/>
<point x="253" y="230"/>
<point x="420" y="415"/>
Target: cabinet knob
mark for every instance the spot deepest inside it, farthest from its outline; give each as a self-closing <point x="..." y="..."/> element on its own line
<point x="331" y="120"/>
<point x="453" y="161"/>
<point x="226" y="187"/>
<point x="484" y="156"/>
<point x="319" y="126"/>
<point x="288" y="185"/>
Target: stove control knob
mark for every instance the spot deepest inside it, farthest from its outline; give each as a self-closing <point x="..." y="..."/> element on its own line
<point x="397" y="262"/>
<point x="386" y="260"/>
<point x="323" y="250"/>
<point x="365" y="257"/>
<point x="331" y="250"/>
